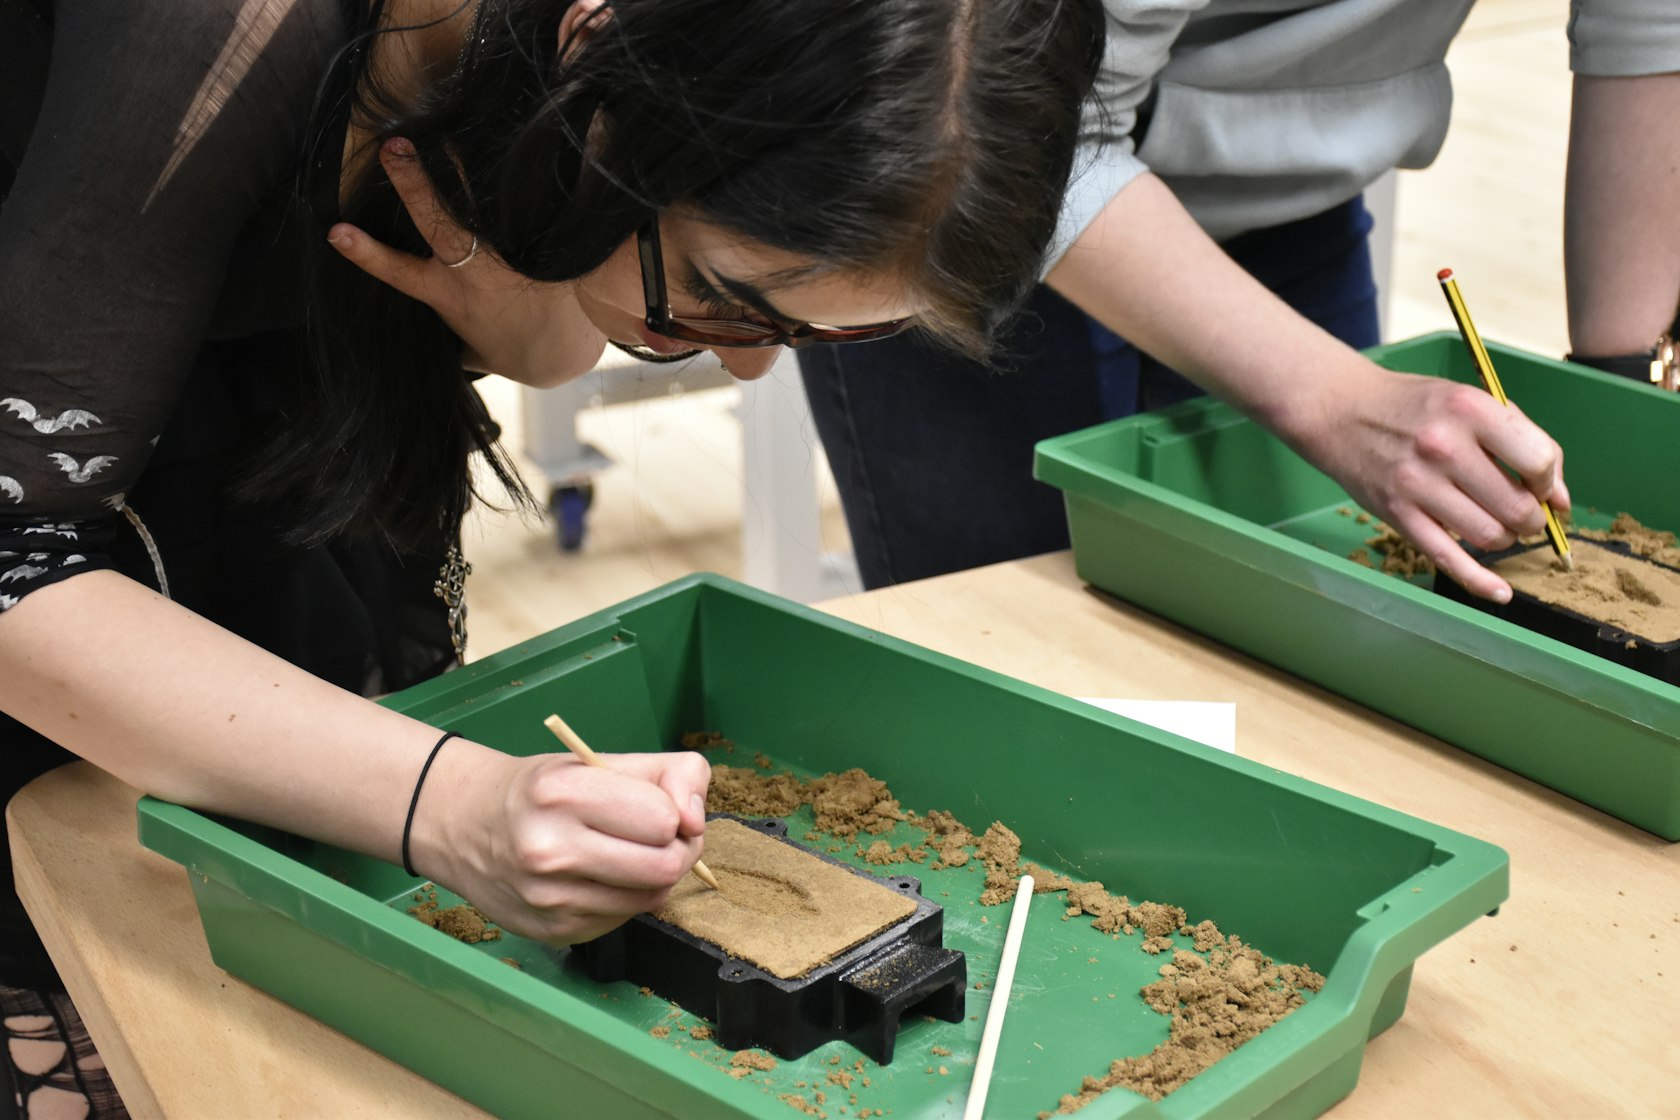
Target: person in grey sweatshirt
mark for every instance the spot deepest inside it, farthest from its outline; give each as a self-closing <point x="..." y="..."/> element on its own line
<point x="1216" y="232"/>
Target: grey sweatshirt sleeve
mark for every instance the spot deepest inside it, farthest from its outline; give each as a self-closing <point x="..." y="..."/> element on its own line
<point x="1267" y="111"/>
<point x="1624" y="38"/>
<point x="1141" y="35"/>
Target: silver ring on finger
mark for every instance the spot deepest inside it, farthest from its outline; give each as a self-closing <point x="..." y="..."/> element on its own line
<point x="472" y="251"/>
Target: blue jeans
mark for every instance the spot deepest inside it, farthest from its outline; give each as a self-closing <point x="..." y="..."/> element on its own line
<point x="932" y="453"/>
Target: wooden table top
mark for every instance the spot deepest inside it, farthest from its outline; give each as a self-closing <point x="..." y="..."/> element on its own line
<point x="1565" y="1004"/>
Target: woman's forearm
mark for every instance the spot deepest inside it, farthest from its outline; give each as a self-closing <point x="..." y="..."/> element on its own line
<point x="1147" y="271"/>
<point x="185" y="710"/>
<point x="1621" y="241"/>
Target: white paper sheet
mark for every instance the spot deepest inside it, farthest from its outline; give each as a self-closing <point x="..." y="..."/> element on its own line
<point x="1206" y="721"/>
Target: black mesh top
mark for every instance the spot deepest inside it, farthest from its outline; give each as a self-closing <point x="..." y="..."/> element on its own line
<point x="148" y="215"/>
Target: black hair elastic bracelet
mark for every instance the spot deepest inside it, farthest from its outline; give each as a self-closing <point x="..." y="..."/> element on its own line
<point x="408" y="824"/>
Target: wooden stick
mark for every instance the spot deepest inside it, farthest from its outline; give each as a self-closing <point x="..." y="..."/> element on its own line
<point x="976" y="1105"/>
<point x="578" y="747"/>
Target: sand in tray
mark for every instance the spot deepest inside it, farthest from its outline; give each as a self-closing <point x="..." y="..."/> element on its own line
<point x="781" y="908"/>
<point x="1627" y="592"/>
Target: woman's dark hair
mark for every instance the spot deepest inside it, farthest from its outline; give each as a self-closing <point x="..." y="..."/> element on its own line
<point x="926" y="140"/>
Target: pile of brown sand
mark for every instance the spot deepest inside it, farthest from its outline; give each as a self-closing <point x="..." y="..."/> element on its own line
<point x="1627" y="592"/>
<point x="1400" y="557"/>
<point x="746" y="793"/>
<point x="882" y="852"/>
<point x="1217" y="1002"/>
<point x="463" y="923"/>
<point x="1653" y="544"/>
<point x="1219" y="994"/>
<point x="947" y="836"/>
<point x="750" y="1061"/>
<point x="843" y="804"/>
<point x="706" y="741"/>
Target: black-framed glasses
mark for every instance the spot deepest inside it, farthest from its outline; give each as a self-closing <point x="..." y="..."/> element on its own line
<point x="736" y="333"/>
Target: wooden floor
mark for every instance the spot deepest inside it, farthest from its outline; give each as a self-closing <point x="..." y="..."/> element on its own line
<point x="1491" y="208"/>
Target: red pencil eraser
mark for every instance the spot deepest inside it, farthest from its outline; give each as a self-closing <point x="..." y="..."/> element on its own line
<point x="1444" y="275"/>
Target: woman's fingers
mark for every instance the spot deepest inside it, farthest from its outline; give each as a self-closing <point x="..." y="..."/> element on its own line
<point x="1515" y="440"/>
<point x="451" y="245"/>
<point x="416" y="277"/>
<point x="683" y="775"/>
<point x="607" y="800"/>
<point x="1481" y="503"/>
<point x="583" y="910"/>
<point x="1543" y="469"/>
<point x="1426" y="533"/>
<point x="406" y="273"/>
<point x="1456" y="452"/>
<point x="556" y="850"/>
<point x="1470" y="520"/>
<point x="1435" y="459"/>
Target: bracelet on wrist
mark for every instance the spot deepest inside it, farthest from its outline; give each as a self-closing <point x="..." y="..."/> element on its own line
<point x="414" y="801"/>
<point x="1659" y="366"/>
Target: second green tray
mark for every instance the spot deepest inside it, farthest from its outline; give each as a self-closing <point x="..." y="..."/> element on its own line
<point x="1201" y="516"/>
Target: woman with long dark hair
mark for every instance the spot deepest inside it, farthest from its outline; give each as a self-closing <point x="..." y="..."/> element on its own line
<point x="251" y="252"/>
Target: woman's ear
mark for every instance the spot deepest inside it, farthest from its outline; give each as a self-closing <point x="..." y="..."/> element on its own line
<point x="577" y="27"/>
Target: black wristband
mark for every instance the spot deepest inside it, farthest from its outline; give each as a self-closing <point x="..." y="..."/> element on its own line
<point x="1634" y="367"/>
<point x="1656" y="366"/>
<point x="408" y="824"/>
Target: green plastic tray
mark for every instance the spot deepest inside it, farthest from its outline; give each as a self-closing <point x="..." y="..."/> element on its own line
<point x="1303" y="873"/>
<point x="1201" y="516"/>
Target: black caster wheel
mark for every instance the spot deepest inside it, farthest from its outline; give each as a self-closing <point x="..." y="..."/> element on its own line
<point x="569" y="505"/>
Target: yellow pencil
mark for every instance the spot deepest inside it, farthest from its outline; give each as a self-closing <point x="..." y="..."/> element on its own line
<point x="1484" y="367"/>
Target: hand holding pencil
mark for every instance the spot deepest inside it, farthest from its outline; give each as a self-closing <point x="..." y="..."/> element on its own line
<point x="581" y="750"/>
<point x="1484" y="368"/>
<point x="556" y="850"/>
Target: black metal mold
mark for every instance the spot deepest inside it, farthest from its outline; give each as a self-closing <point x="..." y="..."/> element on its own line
<point x="1636" y="652"/>
<point x="860" y="997"/>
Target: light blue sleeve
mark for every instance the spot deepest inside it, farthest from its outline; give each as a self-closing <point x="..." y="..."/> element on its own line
<point x="1141" y="34"/>
<point x="1624" y="38"/>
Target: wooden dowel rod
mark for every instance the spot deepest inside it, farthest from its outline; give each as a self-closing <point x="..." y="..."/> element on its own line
<point x="976" y="1105"/>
